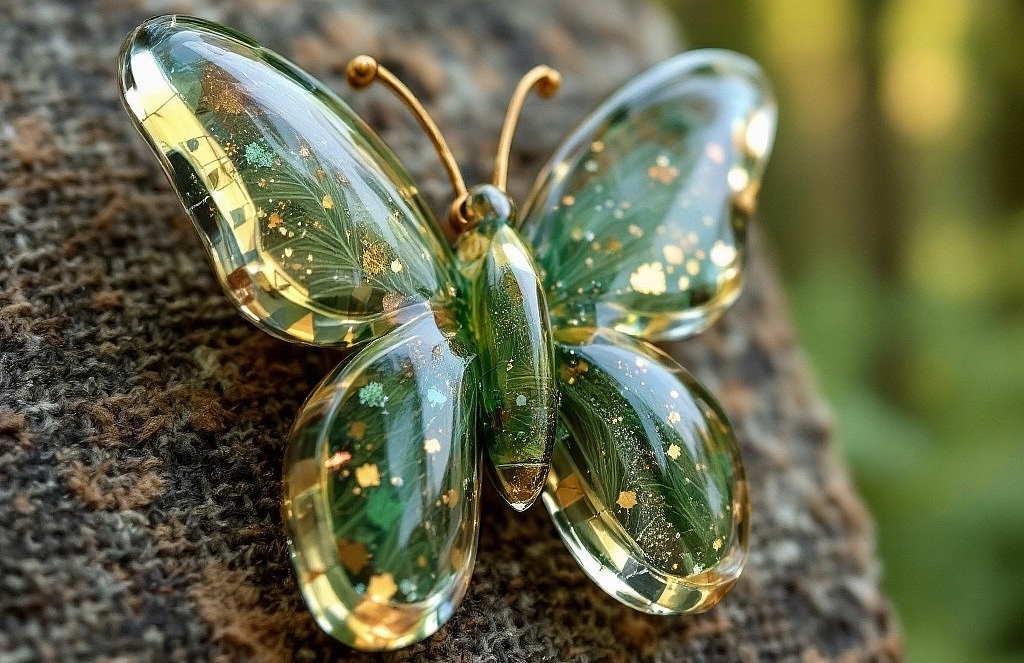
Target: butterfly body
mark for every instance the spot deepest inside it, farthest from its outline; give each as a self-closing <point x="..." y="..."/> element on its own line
<point x="509" y="317"/>
<point x="526" y="339"/>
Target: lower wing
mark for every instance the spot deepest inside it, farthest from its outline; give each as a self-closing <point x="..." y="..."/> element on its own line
<point x="646" y="487"/>
<point x="381" y="488"/>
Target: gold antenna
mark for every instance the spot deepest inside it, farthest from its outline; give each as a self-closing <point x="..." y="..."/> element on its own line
<point x="547" y="81"/>
<point x="363" y="70"/>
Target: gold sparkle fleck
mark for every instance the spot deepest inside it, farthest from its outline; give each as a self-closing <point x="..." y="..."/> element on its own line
<point x="381" y="587"/>
<point x="583" y="367"/>
<point x="684" y="282"/>
<point x="357" y="429"/>
<point x="635" y="230"/>
<point x="576" y="234"/>
<point x="432" y="446"/>
<point x="717" y="545"/>
<point x="648" y="279"/>
<point x="375" y="258"/>
<point x="451" y="497"/>
<point x="350" y="336"/>
<point x="327" y="202"/>
<point x="722" y="254"/>
<point x="288" y="251"/>
<point x="627" y="499"/>
<point x="674" y="451"/>
<point x="421" y="561"/>
<point x="338" y="460"/>
<point x="274" y="221"/>
<point x="692" y="267"/>
<point x="612" y="244"/>
<point x="673" y="254"/>
<point x="304" y="152"/>
<point x="673" y="417"/>
<point x="396" y="266"/>
<point x="367" y="475"/>
<point x="597" y="146"/>
<point x="352" y="555"/>
<point x="568" y="201"/>
<point x="663" y="174"/>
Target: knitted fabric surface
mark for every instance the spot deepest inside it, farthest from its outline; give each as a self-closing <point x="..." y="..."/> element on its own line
<point x="142" y="420"/>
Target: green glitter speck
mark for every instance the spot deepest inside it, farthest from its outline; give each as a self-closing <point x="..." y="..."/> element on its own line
<point x="372" y="395"/>
<point x="257" y="155"/>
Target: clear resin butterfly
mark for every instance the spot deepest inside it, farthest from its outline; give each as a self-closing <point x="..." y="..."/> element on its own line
<point x="530" y="334"/>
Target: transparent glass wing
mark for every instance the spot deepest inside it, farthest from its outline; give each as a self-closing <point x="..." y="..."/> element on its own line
<point x="646" y="487"/>
<point x="381" y="487"/>
<point x="639" y="220"/>
<point x="314" y="229"/>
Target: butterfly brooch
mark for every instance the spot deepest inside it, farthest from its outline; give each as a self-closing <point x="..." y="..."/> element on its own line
<point x="528" y="337"/>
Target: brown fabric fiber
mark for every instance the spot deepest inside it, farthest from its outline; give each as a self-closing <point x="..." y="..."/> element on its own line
<point x="141" y="419"/>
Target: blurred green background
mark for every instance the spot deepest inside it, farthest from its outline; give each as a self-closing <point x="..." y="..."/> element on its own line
<point x="895" y="208"/>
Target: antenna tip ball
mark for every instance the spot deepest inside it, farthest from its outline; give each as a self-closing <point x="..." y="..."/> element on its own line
<point x="550" y="83"/>
<point x="361" y="71"/>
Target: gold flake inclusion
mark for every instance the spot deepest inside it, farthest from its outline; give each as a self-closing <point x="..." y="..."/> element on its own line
<point x="627" y="499"/>
<point x="382" y="587"/>
<point x="338" y="460"/>
<point x="367" y="475"/>
<point x="648" y="279"/>
<point x="353" y="555"/>
<point x="673" y="254"/>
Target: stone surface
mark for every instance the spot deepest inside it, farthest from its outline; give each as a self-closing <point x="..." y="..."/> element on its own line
<point x="142" y="421"/>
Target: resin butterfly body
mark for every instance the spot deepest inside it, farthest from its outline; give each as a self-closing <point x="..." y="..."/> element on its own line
<point x="634" y="231"/>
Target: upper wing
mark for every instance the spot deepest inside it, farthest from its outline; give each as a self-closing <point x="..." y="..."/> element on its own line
<point x="639" y="220"/>
<point x="315" y="231"/>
